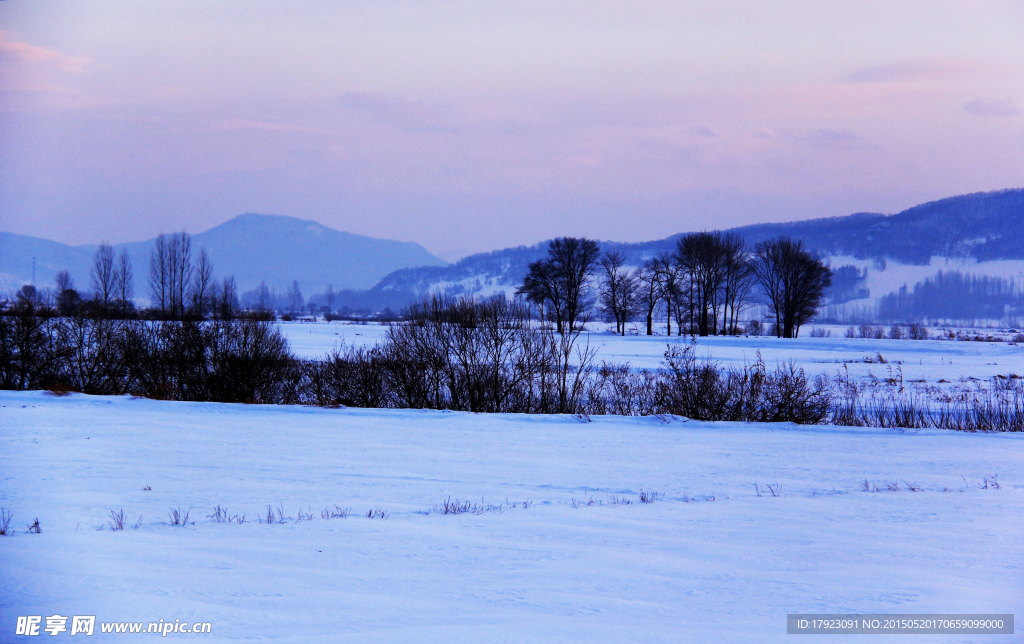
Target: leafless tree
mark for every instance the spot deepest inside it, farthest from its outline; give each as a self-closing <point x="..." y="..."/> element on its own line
<point x="158" y="275"/>
<point x="542" y="287"/>
<point x="561" y="279"/>
<point x="124" y="280"/>
<point x="295" y="298"/>
<point x="181" y="271"/>
<point x="618" y="292"/>
<point x="574" y="260"/>
<point x="667" y="271"/>
<point x="650" y="291"/>
<point x="794" y="282"/>
<point x="738" y="280"/>
<point x="66" y="295"/>
<point x="202" y="283"/>
<point x="329" y="297"/>
<point x="227" y="299"/>
<point x="702" y="258"/>
<point x="102" y="274"/>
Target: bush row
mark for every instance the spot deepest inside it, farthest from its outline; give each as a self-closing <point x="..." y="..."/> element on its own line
<point x="463" y="355"/>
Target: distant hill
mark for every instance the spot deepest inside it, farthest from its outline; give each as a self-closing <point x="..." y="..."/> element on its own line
<point x="983" y="226"/>
<point x="252" y="247"/>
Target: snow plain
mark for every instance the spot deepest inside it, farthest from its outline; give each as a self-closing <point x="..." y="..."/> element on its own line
<point x="924" y="362"/>
<point x="711" y="561"/>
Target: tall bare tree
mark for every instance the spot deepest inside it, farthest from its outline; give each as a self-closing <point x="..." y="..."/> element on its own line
<point x="574" y="260"/>
<point x="618" y="292"/>
<point x="158" y="275"/>
<point x="794" y="282"/>
<point x="738" y="278"/>
<point x="329" y="297"/>
<point x="227" y="301"/>
<point x="650" y="291"/>
<point x="102" y="274"/>
<point x="702" y="259"/>
<point x="202" y="282"/>
<point x="124" y="280"/>
<point x="542" y="287"/>
<point x="180" y="269"/>
<point x="295" y="298"/>
<point x="561" y="279"/>
<point x="67" y="298"/>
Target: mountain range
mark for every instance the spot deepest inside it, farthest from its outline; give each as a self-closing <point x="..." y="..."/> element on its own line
<point x="983" y="232"/>
<point x="979" y="227"/>
<point x="252" y="247"/>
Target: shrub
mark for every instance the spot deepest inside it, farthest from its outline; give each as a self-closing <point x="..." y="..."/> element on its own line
<point x="917" y="332"/>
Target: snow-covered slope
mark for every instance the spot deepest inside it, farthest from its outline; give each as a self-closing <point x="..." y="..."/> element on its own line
<point x="712" y="560"/>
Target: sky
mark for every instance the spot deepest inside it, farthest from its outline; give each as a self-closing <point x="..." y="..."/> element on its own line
<point x="471" y="126"/>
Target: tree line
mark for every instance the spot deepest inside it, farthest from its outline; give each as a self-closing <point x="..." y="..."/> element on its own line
<point x="179" y="281"/>
<point x="704" y="285"/>
<point x="468" y="355"/>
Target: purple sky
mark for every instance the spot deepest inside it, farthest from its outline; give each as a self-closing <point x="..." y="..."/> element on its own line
<point x="472" y="126"/>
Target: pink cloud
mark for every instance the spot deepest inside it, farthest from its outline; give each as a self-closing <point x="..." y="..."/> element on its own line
<point x="16" y="52"/>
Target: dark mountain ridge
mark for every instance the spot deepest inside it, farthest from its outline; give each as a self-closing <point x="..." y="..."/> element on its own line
<point x="984" y="226"/>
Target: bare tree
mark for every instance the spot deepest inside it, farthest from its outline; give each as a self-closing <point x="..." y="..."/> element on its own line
<point x="67" y="298"/>
<point x="158" y="277"/>
<point x="702" y="259"/>
<point x="651" y="290"/>
<point x="738" y="278"/>
<point x="618" y="293"/>
<point x="667" y="270"/>
<point x="264" y="299"/>
<point x="295" y="298"/>
<point x="542" y="287"/>
<point x="793" y="280"/>
<point x="180" y="269"/>
<point x="561" y="279"/>
<point x="227" y="302"/>
<point x="329" y="297"/>
<point x="202" y="282"/>
<point x="574" y="260"/>
<point x="102" y="274"/>
<point x="124" y="279"/>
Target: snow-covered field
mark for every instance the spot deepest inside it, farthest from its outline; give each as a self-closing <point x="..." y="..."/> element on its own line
<point x="712" y="560"/>
<point x="922" y="362"/>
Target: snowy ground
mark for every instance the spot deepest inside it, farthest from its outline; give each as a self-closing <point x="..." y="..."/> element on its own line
<point x="710" y="562"/>
<point x="920" y="362"/>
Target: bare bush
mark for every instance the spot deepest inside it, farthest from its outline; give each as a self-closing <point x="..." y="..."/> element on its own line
<point x="5" y="522"/>
<point x="117" y="520"/>
<point x="178" y="517"/>
<point x="649" y="497"/>
<point x="698" y="389"/>
<point x="221" y="515"/>
<point x="454" y="507"/>
<point x="33" y="528"/>
<point x="917" y="332"/>
<point x="336" y="513"/>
